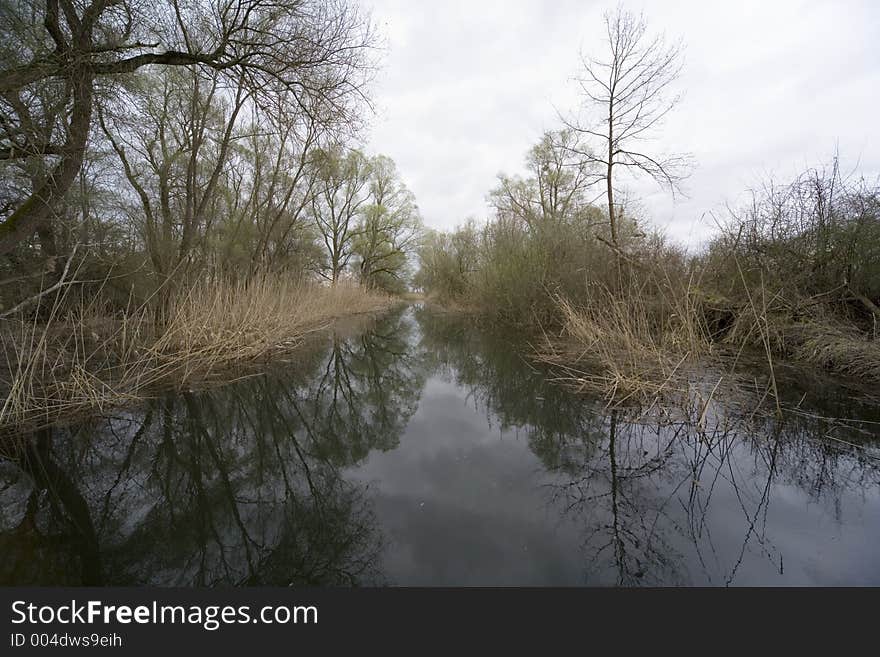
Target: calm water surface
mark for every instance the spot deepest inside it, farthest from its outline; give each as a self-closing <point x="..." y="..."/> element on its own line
<point x="425" y="451"/>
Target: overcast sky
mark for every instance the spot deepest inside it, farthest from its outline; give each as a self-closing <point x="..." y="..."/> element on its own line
<point x="769" y="87"/>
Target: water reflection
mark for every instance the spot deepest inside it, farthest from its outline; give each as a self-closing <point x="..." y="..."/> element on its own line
<point x="239" y="485"/>
<point x="425" y="450"/>
<point x="672" y="502"/>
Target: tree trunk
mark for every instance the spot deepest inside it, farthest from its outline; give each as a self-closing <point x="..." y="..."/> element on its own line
<point x="39" y="208"/>
<point x="611" y="217"/>
<point x="608" y="179"/>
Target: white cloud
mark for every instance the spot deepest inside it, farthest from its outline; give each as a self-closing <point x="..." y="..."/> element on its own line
<point x="468" y="87"/>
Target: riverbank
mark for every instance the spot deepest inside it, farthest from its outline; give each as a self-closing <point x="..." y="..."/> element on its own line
<point x="83" y="360"/>
<point x="639" y="350"/>
<point x="631" y="352"/>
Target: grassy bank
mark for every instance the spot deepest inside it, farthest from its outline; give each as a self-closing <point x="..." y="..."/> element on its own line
<point x="84" y="359"/>
<point x="647" y="328"/>
<point x="656" y="338"/>
<point x="638" y="350"/>
<point x="632" y="349"/>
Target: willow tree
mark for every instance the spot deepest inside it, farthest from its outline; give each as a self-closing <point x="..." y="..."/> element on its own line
<point x="173" y="151"/>
<point x="626" y="96"/>
<point x="342" y="189"/>
<point x="555" y="189"/>
<point x="310" y="54"/>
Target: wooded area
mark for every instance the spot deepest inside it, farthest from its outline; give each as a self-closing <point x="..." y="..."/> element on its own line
<point x="182" y="189"/>
<point x="156" y="143"/>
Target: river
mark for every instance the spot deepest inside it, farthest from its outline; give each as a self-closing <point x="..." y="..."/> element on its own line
<point x="424" y="450"/>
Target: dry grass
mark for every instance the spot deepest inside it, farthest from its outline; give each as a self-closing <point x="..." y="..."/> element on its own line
<point x="836" y="348"/>
<point x="822" y="341"/>
<point x="212" y="324"/>
<point x="817" y="337"/>
<point x="634" y="349"/>
<point x="85" y="362"/>
<point x="644" y="349"/>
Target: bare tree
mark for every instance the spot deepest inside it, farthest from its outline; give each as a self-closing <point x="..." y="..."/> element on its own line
<point x="630" y="92"/>
<point x="283" y="194"/>
<point x="173" y="152"/>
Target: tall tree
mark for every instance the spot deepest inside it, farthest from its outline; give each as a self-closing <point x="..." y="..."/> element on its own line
<point x="390" y="227"/>
<point x="555" y="189"/>
<point x="341" y="191"/>
<point x="173" y="147"/>
<point x="626" y="97"/>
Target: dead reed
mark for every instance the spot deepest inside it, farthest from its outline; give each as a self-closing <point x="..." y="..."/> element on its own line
<point x="82" y="361"/>
<point x="633" y="348"/>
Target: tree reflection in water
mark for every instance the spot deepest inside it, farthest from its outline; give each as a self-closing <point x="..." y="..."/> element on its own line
<point x="235" y="486"/>
<point x="650" y="496"/>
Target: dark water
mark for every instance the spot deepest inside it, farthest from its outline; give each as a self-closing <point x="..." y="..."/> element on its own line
<point x="426" y="451"/>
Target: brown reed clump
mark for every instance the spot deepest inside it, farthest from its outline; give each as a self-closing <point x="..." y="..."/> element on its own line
<point x="83" y="361"/>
